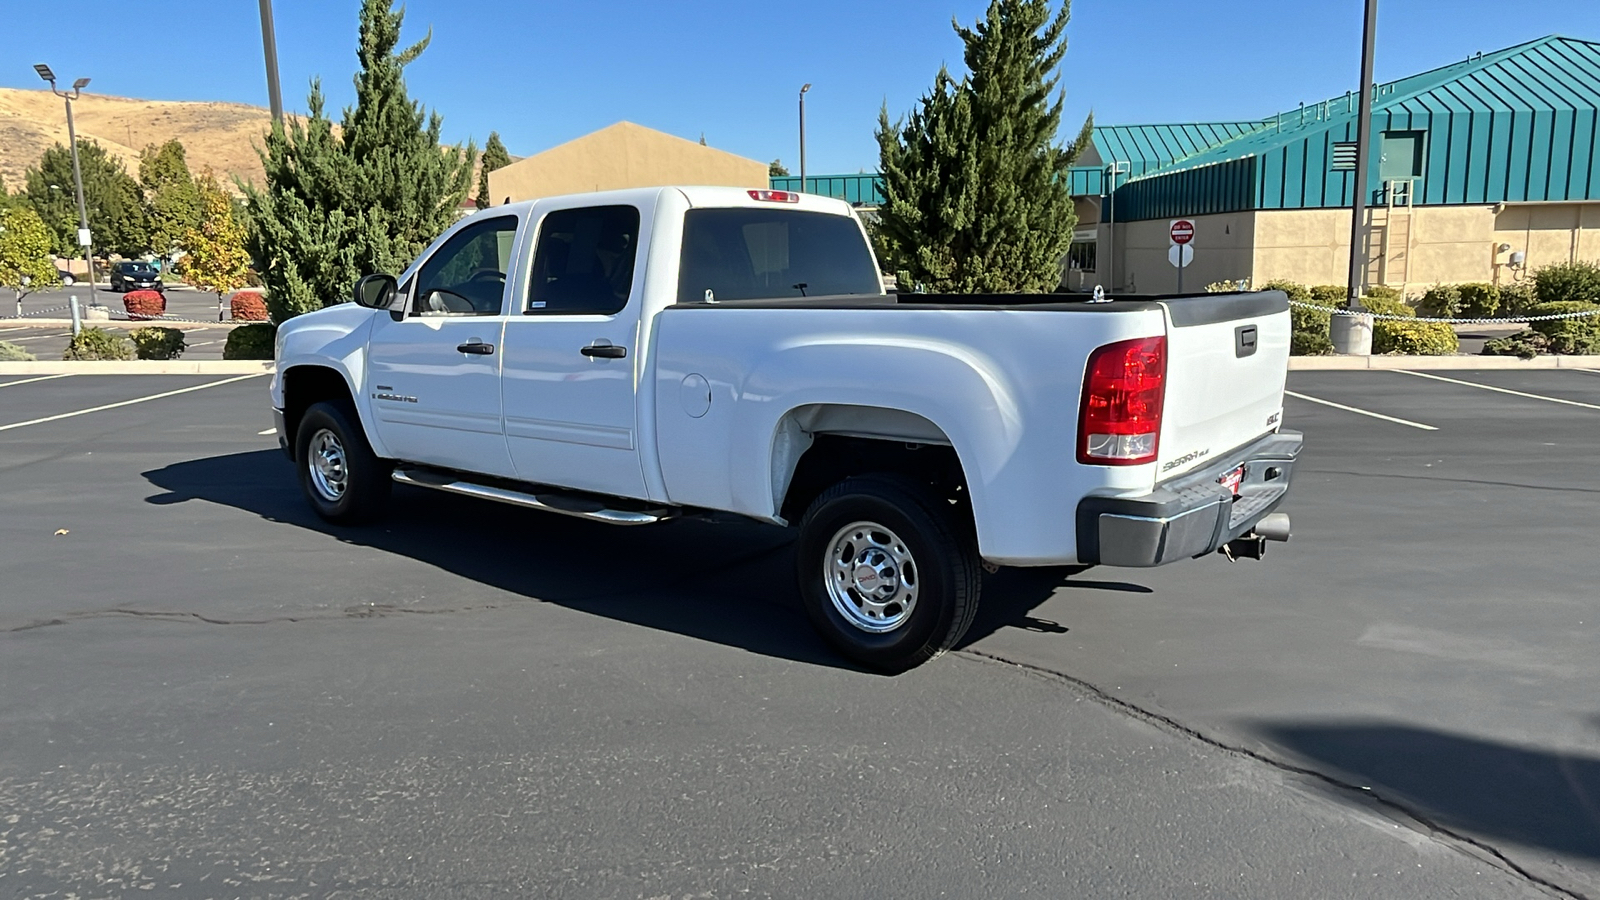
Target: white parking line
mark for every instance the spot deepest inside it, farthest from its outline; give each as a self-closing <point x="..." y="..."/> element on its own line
<point x="1362" y="412"/>
<point x="1498" y="390"/>
<point x="1588" y="371"/>
<point x="32" y="380"/>
<point x="95" y="409"/>
<point x="40" y="337"/>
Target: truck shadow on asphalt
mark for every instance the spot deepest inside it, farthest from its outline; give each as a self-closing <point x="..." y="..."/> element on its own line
<point x="1483" y="788"/>
<point x="730" y="584"/>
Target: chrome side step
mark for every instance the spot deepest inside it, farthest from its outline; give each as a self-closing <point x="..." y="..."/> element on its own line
<point x="566" y="505"/>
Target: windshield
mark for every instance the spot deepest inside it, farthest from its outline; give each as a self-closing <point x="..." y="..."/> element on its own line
<point x="753" y="254"/>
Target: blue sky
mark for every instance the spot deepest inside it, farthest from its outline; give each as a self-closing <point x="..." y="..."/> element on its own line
<point x="544" y="72"/>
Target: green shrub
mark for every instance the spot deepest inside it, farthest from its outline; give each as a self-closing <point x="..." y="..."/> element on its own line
<point x="1479" y="300"/>
<point x="1580" y="335"/>
<point x="1414" y="338"/>
<point x="98" y="343"/>
<point x="1330" y="295"/>
<point x="158" y="343"/>
<point x="1516" y="299"/>
<point x="1310" y="343"/>
<point x="250" y="342"/>
<point x="1442" y="300"/>
<point x="1564" y="282"/>
<point x="13" y="353"/>
<point x="1524" y="344"/>
<point x="1387" y="303"/>
<point x="1298" y="293"/>
<point x="1385" y="292"/>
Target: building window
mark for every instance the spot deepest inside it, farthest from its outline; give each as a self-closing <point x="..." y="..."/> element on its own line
<point x="1081" y="256"/>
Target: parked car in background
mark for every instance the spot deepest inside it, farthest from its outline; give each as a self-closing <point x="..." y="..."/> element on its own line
<point x="67" y="278"/>
<point x="134" y="275"/>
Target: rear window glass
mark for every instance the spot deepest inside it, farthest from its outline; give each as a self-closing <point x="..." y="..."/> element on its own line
<point x="755" y="254"/>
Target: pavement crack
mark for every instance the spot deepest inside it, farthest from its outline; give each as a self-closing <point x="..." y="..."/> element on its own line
<point x="367" y="611"/>
<point x="1167" y="723"/>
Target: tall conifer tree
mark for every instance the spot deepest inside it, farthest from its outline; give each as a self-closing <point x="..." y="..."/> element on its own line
<point x="978" y="196"/>
<point x="494" y="157"/>
<point x="369" y="199"/>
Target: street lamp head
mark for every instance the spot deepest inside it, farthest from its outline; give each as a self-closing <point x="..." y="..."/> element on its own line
<point x="806" y="88"/>
<point x="45" y="73"/>
<point x="80" y="84"/>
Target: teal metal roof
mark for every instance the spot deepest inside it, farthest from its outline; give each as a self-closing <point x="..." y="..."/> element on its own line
<point x="1151" y="147"/>
<point x="1519" y="124"/>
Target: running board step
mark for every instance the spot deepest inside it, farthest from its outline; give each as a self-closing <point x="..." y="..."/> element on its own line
<point x="581" y="506"/>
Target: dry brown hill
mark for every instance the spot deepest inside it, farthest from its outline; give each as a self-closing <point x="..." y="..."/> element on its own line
<point x="218" y="135"/>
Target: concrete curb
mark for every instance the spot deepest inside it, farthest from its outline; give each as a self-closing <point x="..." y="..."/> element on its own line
<point x="139" y="367"/>
<point x="25" y="322"/>
<point x="1461" y="363"/>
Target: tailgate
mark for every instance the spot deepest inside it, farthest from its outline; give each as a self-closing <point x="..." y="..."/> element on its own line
<point x="1227" y="359"/>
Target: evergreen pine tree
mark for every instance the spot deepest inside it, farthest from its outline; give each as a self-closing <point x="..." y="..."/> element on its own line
<point x="172" y="202"/>
<point x="111" y="197"/>
<point x="978" y="196"/>
<point x="369" y="199"/>
<point x="494" y="157"/>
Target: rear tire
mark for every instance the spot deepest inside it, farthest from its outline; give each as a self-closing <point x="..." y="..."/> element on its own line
<point x="344" y="481"/>
<point x="887" y="575"/>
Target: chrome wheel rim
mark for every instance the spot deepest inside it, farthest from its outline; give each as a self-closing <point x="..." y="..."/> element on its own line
<point x="325" y="460"/>
<point x="871" y="576"/>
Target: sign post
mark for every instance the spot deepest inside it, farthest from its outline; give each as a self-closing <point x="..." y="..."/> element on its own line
<point x="1182" y="252"/>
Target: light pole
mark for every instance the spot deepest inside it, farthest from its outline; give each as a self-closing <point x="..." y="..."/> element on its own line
<point x="269" y="46"/>
<point x="84" y="239"/>
<point x="803" y="90"/>
<point x="1363" y="149"/>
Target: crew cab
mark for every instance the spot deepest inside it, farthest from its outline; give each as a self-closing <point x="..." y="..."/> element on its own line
<point x="631" y="357"/>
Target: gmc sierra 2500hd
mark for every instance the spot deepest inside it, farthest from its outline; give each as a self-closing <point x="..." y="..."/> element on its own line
<point x="634" y="356"/>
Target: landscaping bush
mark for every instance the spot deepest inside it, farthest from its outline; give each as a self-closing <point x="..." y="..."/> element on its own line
<point x="158" y="343"/>
<point x="1385" y="292"/>
<point x="250" y="342"/>
<point x="248" y="306"/>
<point x="1564" y="282"/>
<point x="13" y="353"/>
<point x="1330" y="295"/>
<point x="1524" y="344"/>
<point x="1442" y="301"/>
<point x="1414" y="338"/>
<point x="1479" y="300"/>
<point x="1568" y="335"/>
<point x="144" y="304"/>
<point x="98" y="343"/>
<point x="1388" y="304"/>
<point x="1516" y="299"/>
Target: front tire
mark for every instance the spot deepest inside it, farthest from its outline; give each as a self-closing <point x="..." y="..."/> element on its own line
<point x="887" y="575"/>
<point x="345" y="482"/>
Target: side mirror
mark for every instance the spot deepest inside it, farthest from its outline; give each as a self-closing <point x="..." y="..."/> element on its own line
<point x="376" y="291"/>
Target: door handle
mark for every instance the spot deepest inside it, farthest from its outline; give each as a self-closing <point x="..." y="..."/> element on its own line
<point x="605" y="351"/>
<point x="476" y="347"/>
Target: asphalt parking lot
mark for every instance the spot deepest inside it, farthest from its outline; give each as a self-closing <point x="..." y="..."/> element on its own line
<point x="208" y="692"/>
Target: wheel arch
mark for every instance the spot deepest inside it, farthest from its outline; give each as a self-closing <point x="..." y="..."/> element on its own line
<point x="304" y="385"/>
<point x="817" y="445"/>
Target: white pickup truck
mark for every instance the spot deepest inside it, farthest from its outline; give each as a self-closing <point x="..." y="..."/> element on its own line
<point x="634" y="356"/>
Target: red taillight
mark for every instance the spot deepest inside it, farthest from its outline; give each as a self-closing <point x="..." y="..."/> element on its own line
<point x="776" y="196"/>
<point x="1123" y="390"/>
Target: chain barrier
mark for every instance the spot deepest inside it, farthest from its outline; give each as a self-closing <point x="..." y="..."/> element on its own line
<point x="1512" y="320"/>
<point x="37" y="312"/>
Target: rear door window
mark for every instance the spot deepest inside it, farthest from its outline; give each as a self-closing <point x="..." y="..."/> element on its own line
<point x="755" y="254"/>
<point x="584" y="261"/>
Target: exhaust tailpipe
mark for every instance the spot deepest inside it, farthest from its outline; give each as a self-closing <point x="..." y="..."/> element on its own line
<point x="1274" y="527"/>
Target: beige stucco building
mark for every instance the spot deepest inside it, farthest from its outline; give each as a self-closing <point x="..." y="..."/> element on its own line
<point x="619" y="156"/>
